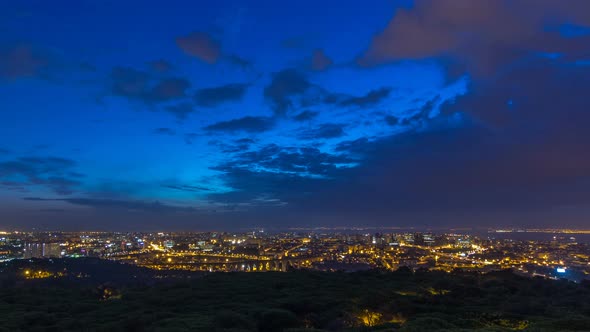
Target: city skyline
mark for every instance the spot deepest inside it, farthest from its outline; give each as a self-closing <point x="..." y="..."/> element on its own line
<point x="229" y="115"/>
<point x="550" y="253"/>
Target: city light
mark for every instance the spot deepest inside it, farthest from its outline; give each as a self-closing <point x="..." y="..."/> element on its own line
<point x="326" y="251"/>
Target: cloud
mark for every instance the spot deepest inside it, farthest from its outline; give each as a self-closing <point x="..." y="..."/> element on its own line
<point x="483" y="35"/>
<point x="211" y="97"/>
<point x="423" y="113"/>
<point x="501" y="164"/>
<point x="161" y="66"/>
<point x="320" y="61"/>
<point x="280" y="174"/>
<point x="238" y="145"/>
<point x="372" y="98"/>
<point x="324" y="131"/>
<point x="129" y="82"/>
<point x="304" y="161"/>
<point x="139" y="85"/>
<point x="392" y="120"/>
<point x="165" y="131"/>
<point x="285" y="85"/>
<point x="54" y="173"/>
<point x="245" y="141"/>
<point x="188" y="188"/>
<point x="200" y="45"/>
<point x="479" y="161"/>
<point x="251" y="124"/>
<point x="239" y="61"/>
<point x="168" y="89"/>
<point x="204" y="47"/>
<point x="113" y="204"/>
<point x="23" y="60"/>
<point x="305" y="116"/>
<point x="250" y="186"/>
<point x="181" y="111"/>
<point x="290" y="89"/>
<point x="357" y="149"/>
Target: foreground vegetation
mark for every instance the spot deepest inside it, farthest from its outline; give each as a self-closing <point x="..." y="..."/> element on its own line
<point x="300" y="301"/>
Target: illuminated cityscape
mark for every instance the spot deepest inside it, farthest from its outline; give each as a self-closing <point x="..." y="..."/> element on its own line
<point x="295" y="166"/>
<point x="354" y="250"/>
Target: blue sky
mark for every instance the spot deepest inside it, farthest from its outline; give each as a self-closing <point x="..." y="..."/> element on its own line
<point x="229" y="114"/>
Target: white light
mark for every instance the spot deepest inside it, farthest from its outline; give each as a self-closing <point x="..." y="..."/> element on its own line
<point x="561" y="270"/>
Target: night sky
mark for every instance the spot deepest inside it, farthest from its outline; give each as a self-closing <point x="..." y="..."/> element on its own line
<point x="197" y="115"/>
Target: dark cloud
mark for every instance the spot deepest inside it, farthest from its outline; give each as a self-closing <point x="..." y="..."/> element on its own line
<point x="285" y="85"/>
<point x="200" y="45"/>
<point x="211" y="97"/>
<point x="51" y="172"/>
<point x="392" y="120"/>
<point x="304" y="161"/>
<point x="181" y="111"/>
<point x="306" y="115"/>
<point x="245" y="141"/>
<point x="275" y="175"/>
<point x="324" y="131"/>
<point x="372" y="98"/>
<point x="165" y="131"/>
<point x="256" y="189"/>
<point x="168" y="89"/>
<point x="23" y="60"/>
<point x="290" y="89"/>
<point x="499" y="164"/>
<point x="320" y="61"/>
<point x="188" y="188"/>
<point x="482" y="35"/>
<point x="252" y="124"/>
<point x="480" y="161"/>
<point x="119" y="205"/>
<point x="239" y="61"/>
<point x="239" y="145"/>
<point x="161" y="66"/>
<point x="129" y="82"/>
<point x="422" y="113"/>
<point x="134" y="84"/>
<point x="358" y="148"/>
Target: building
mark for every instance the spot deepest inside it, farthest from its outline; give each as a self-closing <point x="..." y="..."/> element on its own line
<point x="33" y="250"/>
<point x="52" y="250"/>
<point x="41" y="250"/>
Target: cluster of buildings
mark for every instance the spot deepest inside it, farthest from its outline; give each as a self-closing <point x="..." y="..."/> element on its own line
<point x="560" y="257"/>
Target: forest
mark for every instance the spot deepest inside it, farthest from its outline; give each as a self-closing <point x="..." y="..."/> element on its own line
<point x="97" y="295"/>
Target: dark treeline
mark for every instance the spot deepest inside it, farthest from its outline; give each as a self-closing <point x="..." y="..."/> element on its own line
<point x="295" y="301"/>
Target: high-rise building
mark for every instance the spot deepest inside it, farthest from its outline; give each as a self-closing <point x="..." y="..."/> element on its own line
<point x="51" y="250"/>
<point x="40" y="250"/>
<point x="33" y="250"/>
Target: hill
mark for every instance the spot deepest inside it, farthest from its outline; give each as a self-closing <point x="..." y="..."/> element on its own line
<point x="294" y="301"/>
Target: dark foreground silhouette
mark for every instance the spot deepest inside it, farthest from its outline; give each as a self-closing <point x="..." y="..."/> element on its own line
<point x="93" y="295"/>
